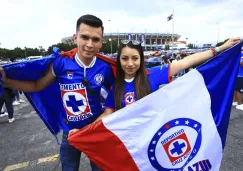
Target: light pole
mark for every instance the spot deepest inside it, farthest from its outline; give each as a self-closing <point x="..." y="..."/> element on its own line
<point x="218" y="33"/>
<point x="118" y="44"/>
<point x="25" y="52"/>
<point x="145" y="39"/>
<point x="186" y="45"/>
<point x="110" y="40"/>
<point x="155" y="46"/>
<point x="110" y="36"/>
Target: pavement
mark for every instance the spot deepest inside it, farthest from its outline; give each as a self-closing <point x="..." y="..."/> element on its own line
<point x="27" y="145"/>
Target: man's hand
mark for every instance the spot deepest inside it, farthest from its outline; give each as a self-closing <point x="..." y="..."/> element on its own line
<point x="72" y="131"/>
<point x="3" y="74"/>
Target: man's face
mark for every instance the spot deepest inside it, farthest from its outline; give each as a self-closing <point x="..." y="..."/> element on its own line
<point x="89" y="40"/>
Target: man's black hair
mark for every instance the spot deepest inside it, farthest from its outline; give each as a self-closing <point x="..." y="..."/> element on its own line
<point x="90" y="20"/>
<point x="12" y="59"/>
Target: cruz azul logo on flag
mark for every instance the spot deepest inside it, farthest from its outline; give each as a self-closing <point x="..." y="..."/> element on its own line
<point x="75" y="102"/>
<point x="175" y="144"/>
<point x="177" y="147"/>
<point x="129" y="98"/>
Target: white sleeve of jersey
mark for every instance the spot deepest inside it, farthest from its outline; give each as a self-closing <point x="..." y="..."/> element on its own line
<point x="104" y="93"/>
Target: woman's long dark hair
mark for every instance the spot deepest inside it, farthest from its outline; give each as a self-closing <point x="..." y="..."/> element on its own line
<point x="141" y="81"/>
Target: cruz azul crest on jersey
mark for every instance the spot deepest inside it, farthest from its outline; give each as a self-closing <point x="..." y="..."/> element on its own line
<point x="175" y="144"/>
<point x="99" y="79"/>
<point x="129" y="98"/>
<point x="75" y="101"/>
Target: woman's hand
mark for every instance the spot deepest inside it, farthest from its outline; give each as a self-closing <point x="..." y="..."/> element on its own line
<point x="231" y="42"/>
<point x="3" y="75"/>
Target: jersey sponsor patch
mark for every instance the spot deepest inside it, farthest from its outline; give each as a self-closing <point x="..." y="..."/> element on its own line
<point x="70" y="75"/>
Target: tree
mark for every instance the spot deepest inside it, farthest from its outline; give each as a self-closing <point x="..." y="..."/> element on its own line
<point x="3" y="52"/>
<point x="221" y="43"/>
<point x="42" y="50"/>
<point x="190" y="46"/>
<point x="106" y="47"/>
<point x="19" y="53"/>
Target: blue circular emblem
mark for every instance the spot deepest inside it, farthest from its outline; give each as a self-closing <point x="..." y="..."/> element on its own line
<point x="99" y="79"/>
<point x="178" y="141"/>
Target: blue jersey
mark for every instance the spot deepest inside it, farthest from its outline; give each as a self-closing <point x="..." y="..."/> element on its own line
<point x="80" y="88"/>
<point x="157" y="76"/>
<point x="240" y="72"/>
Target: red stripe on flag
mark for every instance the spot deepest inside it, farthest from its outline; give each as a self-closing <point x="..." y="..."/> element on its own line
<point x="169" y="77"/>
<point x="103" y="147"/>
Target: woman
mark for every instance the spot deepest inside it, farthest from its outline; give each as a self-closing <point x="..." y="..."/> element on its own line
<point x="133" y="81"/>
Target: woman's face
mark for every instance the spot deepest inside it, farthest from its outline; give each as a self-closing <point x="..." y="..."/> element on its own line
<point x="130" y="62"/>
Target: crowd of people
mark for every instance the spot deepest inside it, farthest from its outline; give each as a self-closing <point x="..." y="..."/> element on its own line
<point x="132" y="80"/>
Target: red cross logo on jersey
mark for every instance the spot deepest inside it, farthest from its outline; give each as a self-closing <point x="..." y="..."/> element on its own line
<point x="75" y="102"/>
<point x="129" y="98"/>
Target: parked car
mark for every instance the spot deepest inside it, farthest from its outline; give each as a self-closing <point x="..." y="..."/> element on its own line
<point x="146" y="57"/>
<point x="151" y="62"/>
<point x="4" y="63"/>
<point x="34" y="57"/>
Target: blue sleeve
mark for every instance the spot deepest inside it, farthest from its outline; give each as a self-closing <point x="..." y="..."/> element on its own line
<point x="57" y="66"/>
<point x="110" y="100"/>
<point x="160" y="74"/>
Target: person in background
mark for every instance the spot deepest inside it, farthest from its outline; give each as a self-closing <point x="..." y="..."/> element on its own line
<point x="17" y="99"/>
<point x="6" y="96"/>
<point x="165" y="60"/>
<point x="2" y="112"/>
<point x="239" y="87"/>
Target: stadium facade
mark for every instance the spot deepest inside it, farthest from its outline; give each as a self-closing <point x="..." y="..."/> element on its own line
<point x="150" y="41"/>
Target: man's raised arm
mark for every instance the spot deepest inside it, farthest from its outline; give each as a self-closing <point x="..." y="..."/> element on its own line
<point x="29" y="86"/>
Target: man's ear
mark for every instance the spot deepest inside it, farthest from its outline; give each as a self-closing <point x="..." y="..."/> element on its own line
<point x="102" y="40"/>
<point x="75" y="38"/>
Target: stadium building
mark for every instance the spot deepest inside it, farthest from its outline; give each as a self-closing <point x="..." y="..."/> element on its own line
<point x="150" y="41"/>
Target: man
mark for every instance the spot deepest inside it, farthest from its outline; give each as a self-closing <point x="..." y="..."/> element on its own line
<point x="239" y="87"/>
<point x="80" y="83"/>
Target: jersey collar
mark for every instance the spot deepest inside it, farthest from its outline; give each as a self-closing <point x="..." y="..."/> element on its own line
<point x="129" y="80"/>
<point x="80" y="63"/>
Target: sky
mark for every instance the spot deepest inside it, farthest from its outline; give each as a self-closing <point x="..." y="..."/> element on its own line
<point x="31" y="23"/>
